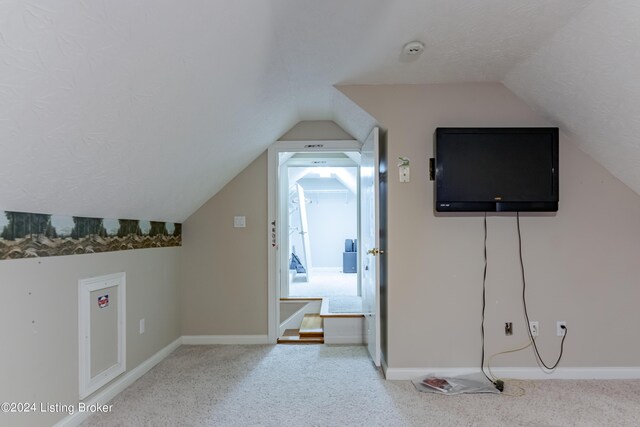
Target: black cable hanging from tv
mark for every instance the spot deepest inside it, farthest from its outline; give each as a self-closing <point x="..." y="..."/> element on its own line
<point x="498" y="383"/>
<point x="484" y="299"/>
<point x="526" y="314"/>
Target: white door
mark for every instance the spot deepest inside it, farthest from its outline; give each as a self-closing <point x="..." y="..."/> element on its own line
<point x="370" y="243"/>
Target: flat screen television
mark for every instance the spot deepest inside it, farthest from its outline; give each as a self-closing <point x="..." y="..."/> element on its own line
<point x="496" y="169"/>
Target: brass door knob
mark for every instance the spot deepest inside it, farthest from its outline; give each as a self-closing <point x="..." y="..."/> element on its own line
<point x="375" y="251"/>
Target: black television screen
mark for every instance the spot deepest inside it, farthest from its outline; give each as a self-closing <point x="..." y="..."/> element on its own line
<point x="496" y="169"/>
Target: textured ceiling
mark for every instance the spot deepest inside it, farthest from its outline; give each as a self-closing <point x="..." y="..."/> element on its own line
<point x="586" y="78"/>
<point x="146" y="109"/>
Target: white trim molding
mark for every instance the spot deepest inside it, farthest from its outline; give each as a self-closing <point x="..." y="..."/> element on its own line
<point x="112" y="390"/>
<point x="275" y="222"/>
<point x="224" y="339"/>
<point x="586" y="373"/>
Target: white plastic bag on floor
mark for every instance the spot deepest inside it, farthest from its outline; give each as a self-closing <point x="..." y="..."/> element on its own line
<point x="471" y="383"/>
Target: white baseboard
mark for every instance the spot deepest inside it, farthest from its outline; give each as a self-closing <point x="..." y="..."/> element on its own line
<point x="224" y="339"/>
<point x="110" y="391"/>
<point x="588" y="373"/>
<point x="411" y="373"/>
<point x="601" y="373"/>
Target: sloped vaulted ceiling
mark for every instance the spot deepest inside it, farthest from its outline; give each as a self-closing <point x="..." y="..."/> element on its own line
<point x="586" y="78"/>
<point x="134" y="109"/>
<point x="146" y="109"/>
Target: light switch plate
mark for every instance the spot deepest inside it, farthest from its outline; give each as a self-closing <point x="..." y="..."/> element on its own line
<point x="239" y="221"/>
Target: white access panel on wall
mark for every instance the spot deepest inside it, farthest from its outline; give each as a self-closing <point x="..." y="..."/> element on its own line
<point x="102" y="332"/>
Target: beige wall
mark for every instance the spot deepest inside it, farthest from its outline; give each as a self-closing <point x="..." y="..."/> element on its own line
<point x="582" y="264"/>
<point x="224" y="269"/>
<point x="39" y="321"/>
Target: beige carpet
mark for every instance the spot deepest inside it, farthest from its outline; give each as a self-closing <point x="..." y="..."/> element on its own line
<point x="338" y="386"/>
<point x="325" y="284"/>
<point x="345" y="304"/>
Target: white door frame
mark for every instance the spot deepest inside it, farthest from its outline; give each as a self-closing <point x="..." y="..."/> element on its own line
<point x="274" y="222"/>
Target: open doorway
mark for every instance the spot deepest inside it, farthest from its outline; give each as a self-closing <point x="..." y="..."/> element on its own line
<point x="322" y="206"/>
<point x="314" y="177"/>
<point x="319" y="199"/>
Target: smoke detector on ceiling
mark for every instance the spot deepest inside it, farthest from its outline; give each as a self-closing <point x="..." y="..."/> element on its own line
<point x="413" y="48"/>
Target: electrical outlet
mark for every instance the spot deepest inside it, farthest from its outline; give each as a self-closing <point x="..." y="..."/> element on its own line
<point x="534" y="327"/>
<point x="405" y="174"/>
<point x="141" y="326"/>
<point x="508" y="328"/>
<point x="559" y="330"/>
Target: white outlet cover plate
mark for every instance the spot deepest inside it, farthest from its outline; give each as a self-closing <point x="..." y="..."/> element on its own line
<point x="534" y="327"/>
<point x="559" y="331"/>
<point x="405" y="174"/>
